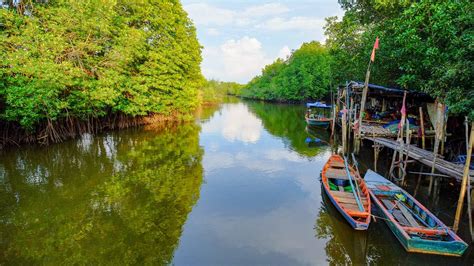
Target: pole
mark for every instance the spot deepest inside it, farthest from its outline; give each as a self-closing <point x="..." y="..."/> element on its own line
<point x="465" y="179"/>
<point x="469" y="206"/>
<point x="422" y="124"/>
<point x="436" y="144"/>
<point x="362" y="106"/>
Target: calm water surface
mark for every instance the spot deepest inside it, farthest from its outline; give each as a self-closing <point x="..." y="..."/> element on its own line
<point x="238" y="187"/>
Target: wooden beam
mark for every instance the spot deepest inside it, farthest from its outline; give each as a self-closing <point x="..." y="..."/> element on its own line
<point x="464" y="180"/>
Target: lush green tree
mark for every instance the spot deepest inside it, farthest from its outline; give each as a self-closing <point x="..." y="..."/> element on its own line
<point x="304" y="75"/>
<point x="82" y="59"/>
<point x="424" y="45"/>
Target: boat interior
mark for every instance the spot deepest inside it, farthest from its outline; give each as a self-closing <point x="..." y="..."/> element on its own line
<point x="412" y="217"/>
<point x="341" y="190"/>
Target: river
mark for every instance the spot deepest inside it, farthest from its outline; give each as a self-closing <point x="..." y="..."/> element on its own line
<point x="238" y="187"/>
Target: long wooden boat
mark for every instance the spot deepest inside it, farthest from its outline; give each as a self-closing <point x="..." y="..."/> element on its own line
<point x="337" y="185"/>
<point x="417" y="229"/>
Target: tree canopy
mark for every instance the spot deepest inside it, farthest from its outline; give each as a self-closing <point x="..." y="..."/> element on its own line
<point x="82" y="59"/>
<point x="424" y="45"/>
<point x="304" y="75"/>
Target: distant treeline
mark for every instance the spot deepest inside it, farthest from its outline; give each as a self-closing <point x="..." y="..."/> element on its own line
<point x="68" y="66"/>
<point x="425" y="45"/>
<point x="214" y="91"/>
<point x="305" y="74"/>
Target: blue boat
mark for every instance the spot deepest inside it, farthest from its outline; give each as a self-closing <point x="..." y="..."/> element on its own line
<point x="318" y="114"/>
<point x="417" y="229"/>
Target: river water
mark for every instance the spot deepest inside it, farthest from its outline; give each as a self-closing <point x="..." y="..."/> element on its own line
<point x="238" y="187"/>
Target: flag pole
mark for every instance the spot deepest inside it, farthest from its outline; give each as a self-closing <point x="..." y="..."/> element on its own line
<point x="362" y="106"/>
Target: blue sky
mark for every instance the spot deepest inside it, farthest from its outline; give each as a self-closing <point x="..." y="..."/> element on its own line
<point x="240" y="37"/>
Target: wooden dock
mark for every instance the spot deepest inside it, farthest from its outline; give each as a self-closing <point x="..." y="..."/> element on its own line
<point x="425" y="157"/>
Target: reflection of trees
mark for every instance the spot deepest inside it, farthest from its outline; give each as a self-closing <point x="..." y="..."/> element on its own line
<point x="287" y="122"/>
<point x="122" y="198"/>
<point x="345" y="246"/>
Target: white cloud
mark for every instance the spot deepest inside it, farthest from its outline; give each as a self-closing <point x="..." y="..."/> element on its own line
<point x="212" y="32"/>
<point x="293" y="23"/>
<point x="204" y="14"/>
<point x="266" y="10"/>
<point x="235" y="60"/>
<point x="284" y="52"/>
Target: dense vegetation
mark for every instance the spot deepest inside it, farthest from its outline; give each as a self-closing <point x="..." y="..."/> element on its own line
<point x="69" y="60"/>
<point x="214" y="91"/>
<point x="425" y="45"/>
<point x="304" y="75"/>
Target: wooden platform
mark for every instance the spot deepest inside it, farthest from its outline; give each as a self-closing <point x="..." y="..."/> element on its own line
<point x="425" y="157"/>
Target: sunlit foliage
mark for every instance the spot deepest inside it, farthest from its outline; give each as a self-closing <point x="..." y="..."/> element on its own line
<point x="82" y="59"/>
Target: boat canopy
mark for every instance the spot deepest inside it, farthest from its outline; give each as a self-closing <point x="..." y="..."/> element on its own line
<point x="318" y="105"/>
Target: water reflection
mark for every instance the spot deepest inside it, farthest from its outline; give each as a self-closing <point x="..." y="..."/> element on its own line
<point x="287" y="122"/>
<point x="345" y="246"/>
<point x="235" y="123"/>
<point x="119" y="198"/>
<point x="257" y="206"/>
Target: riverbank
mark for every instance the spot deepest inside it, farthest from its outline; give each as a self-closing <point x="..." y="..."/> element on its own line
<point x="48" y="132"/>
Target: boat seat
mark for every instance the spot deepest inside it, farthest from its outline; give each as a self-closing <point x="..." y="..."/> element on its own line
<point x="347" y="195"/>
<point x="338" y="174"/>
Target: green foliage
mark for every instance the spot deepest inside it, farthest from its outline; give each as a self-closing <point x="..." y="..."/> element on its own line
<point x="304" y="75"/>
<point x="214" y="91"/>
<point x="93" y="58"/>
<point x="424" y="45"/>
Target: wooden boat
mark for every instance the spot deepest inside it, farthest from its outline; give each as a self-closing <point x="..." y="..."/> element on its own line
<point x="417" y="229"/>
<point x="349" y="195"/>
<point x="320" y="118"/>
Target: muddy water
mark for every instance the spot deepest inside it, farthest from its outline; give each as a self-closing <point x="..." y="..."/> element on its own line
<point x="240" y="186"/>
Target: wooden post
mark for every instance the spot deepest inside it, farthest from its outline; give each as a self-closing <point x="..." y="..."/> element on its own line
<point x="384" y="105"/>
<point x="469" y="199"/>
<point x="376" y="154"/>
<point x="422" y="125"/>
<point x="344" y="130"/>
<point x="334" y="112"/>
<point x="439" y="115"/>
<point x="465" y="179"/>
<point x="408" y="140"/>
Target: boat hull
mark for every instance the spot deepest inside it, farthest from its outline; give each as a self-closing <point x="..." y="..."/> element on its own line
<point x="456" y="247"/>
<point x="358" y="220"/>
<point x="318" y="123"/>
<point x="355" y="225"/>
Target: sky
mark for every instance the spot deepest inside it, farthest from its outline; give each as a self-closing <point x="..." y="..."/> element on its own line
<point x="240" y="37"/>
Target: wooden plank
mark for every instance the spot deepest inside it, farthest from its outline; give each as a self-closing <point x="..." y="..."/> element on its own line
<point x="425" y="157"/>
<point x="350" y="201"/>
<point x="411" y="220"/>
<point x="388" y="204"/>
<point x="347" y="195"/>
<point x="348" y="206"/>
<point x="398" y="215"/>
<point x="337" y="164"/>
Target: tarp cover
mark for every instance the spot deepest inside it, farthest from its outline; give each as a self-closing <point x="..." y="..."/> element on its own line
<point x="318" y="105"/>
